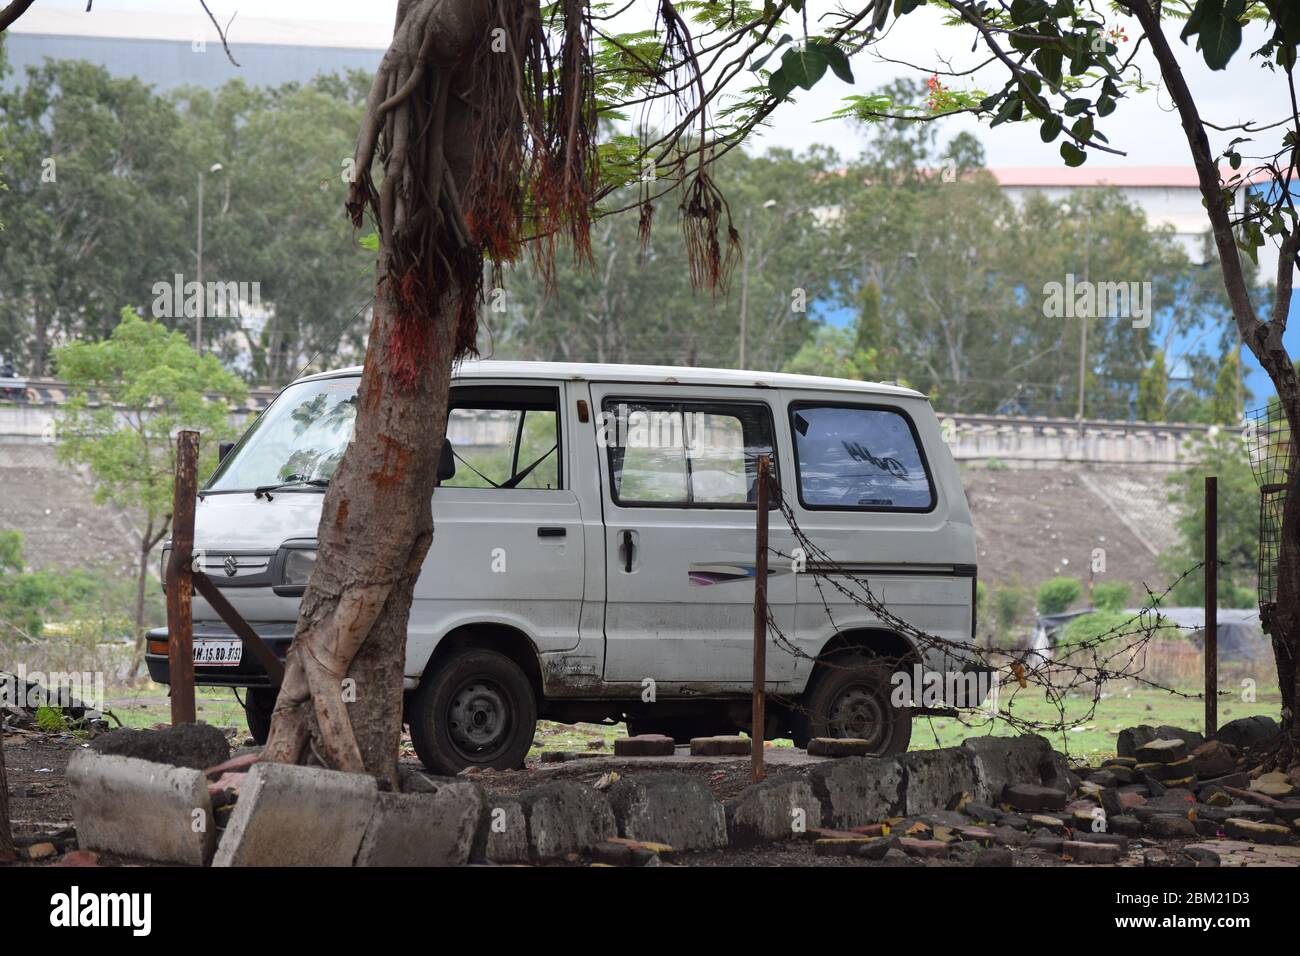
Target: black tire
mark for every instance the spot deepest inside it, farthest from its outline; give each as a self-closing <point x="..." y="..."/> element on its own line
<point x="850" y="697"/>
<point x="477" y="710"/>
<point x="681" y="729"/>
<point x="259" y="702"/>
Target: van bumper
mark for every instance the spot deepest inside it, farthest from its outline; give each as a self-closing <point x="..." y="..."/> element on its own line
<point x="247" y="673"/>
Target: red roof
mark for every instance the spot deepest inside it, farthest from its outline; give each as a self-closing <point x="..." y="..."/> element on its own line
<point x="1090" y="175"/>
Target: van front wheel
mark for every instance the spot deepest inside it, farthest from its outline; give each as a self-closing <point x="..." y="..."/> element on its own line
<point x="851" y="698"/>
<point x="478" y="710"/>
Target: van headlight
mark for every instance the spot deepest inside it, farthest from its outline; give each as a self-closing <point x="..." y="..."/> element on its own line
<point x="293" y="566"/>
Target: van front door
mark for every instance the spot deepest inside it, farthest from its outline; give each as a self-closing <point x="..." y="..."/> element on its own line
<point x="508" y="544"/>
<point x="679" y="471"/>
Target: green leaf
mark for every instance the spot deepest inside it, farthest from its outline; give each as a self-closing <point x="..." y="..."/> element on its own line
<point x="1072" y="154"/>
<point x="837" y="60"/>
<point x="1051" y="128"/>
<point x="1083" y="128"/>
<point x="1048" y="61"/>
<point x="1075" y="106"/>
<point x="804" y="67"/>
<point x="906" y="6"/>
<point x="1216" y="25"/>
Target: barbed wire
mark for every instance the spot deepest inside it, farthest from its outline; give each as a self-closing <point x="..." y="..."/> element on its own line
<point x="1079" y="669"/>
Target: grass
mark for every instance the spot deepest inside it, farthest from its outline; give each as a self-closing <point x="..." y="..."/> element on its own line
<point x="1091" y="738"/>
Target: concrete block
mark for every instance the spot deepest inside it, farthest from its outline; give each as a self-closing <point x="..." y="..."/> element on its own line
<point x="423" y="829"/>
<point x="668" y="808"/>
<point x="774" y="809"/>
<point x="566" y="817"/>
<point x="857" y="790"/>
<point x="141" y="809"/>
<point x="298" y="816"/>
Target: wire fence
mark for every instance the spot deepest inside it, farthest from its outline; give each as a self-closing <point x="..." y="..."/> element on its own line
<point x="1075" y="671"/>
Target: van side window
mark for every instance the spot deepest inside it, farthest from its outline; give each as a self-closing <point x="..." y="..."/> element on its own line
<point x="859" y="457"/>
<point x="504" y="437"/>
<point x="701" y="454"/>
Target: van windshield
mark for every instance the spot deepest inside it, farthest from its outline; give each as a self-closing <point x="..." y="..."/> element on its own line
<point x="301" y="437"/>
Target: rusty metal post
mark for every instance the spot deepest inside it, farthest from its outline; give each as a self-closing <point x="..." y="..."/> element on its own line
<point x="1211" y="605"/>
<point x="7" y="852"/>
<point x="758" y="717"/>
<point x="180" y="593"/>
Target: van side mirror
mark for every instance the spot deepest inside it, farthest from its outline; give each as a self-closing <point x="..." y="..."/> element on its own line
<point x="223" y="449"/>
<point x="446" y="462"/>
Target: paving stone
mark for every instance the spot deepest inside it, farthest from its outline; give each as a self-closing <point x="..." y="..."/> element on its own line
<point x="1214" y="758"/>
<point x="723" y="746"/>
<point x="1009" y="836"/>
<point x="1048" y="822"/>
<point x="1033" y="797"/>
<point x="840" y="846"/>
<point x="839" y="747"/>
<point x="1160" y="751"/>
<point x="1204" y="854"/>
<point x="1096" y="853"/>
<point x="139" y="808"/>
<point x="644" y="745"/>
<point x="995" y="856"/>
<point x="1275" y="784"/>
<point x="1155" y="857"/>
<point x="1111" y="839"/>
<point x="1046" y="840"/>
<point x="981" y="811"/>
<point x="878" y="848"/>
<point x="298" y="816"/>
<point x="929" y="849"/>
<point x="1124" y="825"/>
<point x="668" y="808"/>
<point x="1169" y="826"/>
<point x="1242" y="829"/>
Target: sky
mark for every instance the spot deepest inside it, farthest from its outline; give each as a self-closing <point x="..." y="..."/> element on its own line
<point x="1145" y="127"/>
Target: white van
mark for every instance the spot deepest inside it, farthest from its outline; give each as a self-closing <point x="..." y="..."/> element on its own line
<point x="593" y="554"/>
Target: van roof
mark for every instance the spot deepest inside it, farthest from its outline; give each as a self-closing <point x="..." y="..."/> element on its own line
<point x="654" y="374"/>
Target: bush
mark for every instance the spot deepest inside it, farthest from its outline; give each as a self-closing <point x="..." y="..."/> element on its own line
<point x="1010" y="605"/>
<point x="1058" y="594"/>
<point x="1111" y="596"/>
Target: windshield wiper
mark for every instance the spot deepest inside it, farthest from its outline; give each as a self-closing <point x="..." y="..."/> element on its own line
<point x="293" y="481"/>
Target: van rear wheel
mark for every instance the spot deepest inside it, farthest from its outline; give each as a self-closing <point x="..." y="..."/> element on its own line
<point x="851" y="698"/>
<point x="478" y="710"/>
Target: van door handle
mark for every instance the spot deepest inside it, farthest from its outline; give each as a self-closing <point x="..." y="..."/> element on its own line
<point x="628" y="549"/>
<point x="551" y="532"/>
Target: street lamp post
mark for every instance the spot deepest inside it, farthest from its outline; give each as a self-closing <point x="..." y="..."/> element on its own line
<point x="198" y="329"/>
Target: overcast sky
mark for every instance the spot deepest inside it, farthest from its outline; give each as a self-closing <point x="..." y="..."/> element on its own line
<point x="1144" y="126"/>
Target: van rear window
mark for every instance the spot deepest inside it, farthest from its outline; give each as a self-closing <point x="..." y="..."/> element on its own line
<point x="859" y="458"/>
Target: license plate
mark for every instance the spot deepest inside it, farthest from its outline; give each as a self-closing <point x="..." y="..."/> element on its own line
<point x="218" y="653"/>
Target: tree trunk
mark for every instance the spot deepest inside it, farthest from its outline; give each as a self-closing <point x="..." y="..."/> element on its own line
<point x="1281" y="620"/>
<point x="341" y="701"/>
<point x="7" y="854"/>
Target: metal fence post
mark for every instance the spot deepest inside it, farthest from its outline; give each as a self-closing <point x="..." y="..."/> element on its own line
<point x="758" y="717"/>
<point x="1211" y="605"/>
<point x="180" y="619"/>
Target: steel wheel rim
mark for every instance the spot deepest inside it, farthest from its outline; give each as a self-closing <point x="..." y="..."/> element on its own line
<point x="479" y="719"/>
<point x="859" y="712"/>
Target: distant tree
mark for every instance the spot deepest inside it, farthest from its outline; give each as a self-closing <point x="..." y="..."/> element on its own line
<point x="1227" y="408"/>
<point x="1111" y="595"/>
<point x="834" y="352"/>
<point x="1223" y="455"/>
<point x="128" y="395"/>
<point x="1153" y="390"/>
